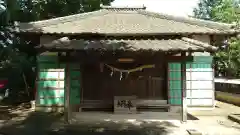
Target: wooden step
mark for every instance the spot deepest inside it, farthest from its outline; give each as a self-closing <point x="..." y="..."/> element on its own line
<point x="140" y="104"/>
<point x="147" y="102"/>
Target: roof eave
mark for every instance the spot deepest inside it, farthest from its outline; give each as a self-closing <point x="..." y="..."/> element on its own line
<point x="50" y="49"/>
<point x="64" y="43"/>
<point x="90" y="34"/>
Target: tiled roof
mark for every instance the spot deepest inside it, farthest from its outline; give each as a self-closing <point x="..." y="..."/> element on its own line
<point x="125" y="20"/>
<point x="183" y="44"/>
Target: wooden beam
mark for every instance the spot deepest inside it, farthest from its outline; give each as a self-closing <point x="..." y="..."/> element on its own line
<point x="67" y="108"/>
<point x="213" y="82"/>
<point x="51" y="70"/>
<point x="52" y="88"/>
<point x="42" y="48"/>
<point x="179" y="58"/>
<point x="37" y="101"/>
<point x="212" y="42"/>
<point x="167" y="81"/>
<point x="81" y="83"/>
<point x="184" y="99"/>
<point x="83" y="57"/>
<point x="50" y="79"/>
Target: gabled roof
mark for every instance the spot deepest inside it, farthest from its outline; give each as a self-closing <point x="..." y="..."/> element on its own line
<point x="155" y="45"/>
<point x="110" y="20"/>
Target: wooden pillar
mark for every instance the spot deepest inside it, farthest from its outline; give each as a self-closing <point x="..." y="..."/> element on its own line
<point x="183" y="78"/>
<point x="67" y="108"/>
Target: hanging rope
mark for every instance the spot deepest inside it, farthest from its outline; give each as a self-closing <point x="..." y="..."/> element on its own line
<point x="130" y="70"/>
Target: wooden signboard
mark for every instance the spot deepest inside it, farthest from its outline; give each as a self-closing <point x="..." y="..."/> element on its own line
<point x="125" y="104"/>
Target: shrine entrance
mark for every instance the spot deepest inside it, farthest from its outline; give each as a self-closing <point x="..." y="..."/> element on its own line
<point x="123" y="87"/>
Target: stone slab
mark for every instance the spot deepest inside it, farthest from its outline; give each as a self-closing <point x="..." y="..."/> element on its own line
<point x="193" y="132"/>
<point x="234" y="117"/>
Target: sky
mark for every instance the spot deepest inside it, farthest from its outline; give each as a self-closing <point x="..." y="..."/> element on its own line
<point x="172" y="7"/>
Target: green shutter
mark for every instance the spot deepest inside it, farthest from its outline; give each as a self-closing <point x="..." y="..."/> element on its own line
<point x="75" y="86"/>
<point x="199" y="64"/>
<point x="51" y="93"/>
<point x="46" y="84"/>
<point x="52" y="101"/>
<point x="47" y="58"/>
<point x="49" y="84"/>
<point x="47" y="65"/>
<point x="200" y="72"/>
<point x="174" y="80"/>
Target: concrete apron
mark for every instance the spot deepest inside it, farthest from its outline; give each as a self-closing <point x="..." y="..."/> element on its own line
<point x="153" y="120"/>
<point x="143" y="116"/>
<point x="205" y="125"/>
<point x="174" y="114"/>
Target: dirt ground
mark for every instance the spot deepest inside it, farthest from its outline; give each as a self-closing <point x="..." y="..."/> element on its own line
<point x="215" y="121"/>
<point x="21" y="120"/>
<point x="221" y="109"/>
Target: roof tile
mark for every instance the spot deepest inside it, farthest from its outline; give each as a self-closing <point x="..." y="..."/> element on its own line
<point x="124" y="20"/>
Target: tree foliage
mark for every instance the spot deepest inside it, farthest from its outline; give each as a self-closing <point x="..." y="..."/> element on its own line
<point x="16" y="55"/>
<point x="227" y="11"/>
<point x="227" y="60"/>
<point x="205" y="9"/>
<point x="2" y="6"/>
<point x="32" y="10"/>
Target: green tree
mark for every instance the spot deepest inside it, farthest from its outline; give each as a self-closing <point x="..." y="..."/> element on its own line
<point x="205" y="9"/>
<point x="32" y="10"/>
<point x="227" y="60"/>
<point x="15" y="57"/>
<point x="2" y="6"/>
<point x="227" y="11"/>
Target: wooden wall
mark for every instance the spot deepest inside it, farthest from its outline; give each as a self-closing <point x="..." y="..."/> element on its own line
<point x="145" y="84"/>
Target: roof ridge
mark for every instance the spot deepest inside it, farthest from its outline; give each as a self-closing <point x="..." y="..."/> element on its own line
<point x="125" y="8"/>
<point x="199" y="43"/>
<point x="191" y="20"/>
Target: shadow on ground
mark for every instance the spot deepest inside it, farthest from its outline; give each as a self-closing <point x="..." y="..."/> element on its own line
<point x="8" y="112"/>
<point x="20" y="120"/>
<point x="36" y="123"/>
<point x="191" y="117"/>
<point x="39" y="123"/>
<point x="117" y="128"/>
